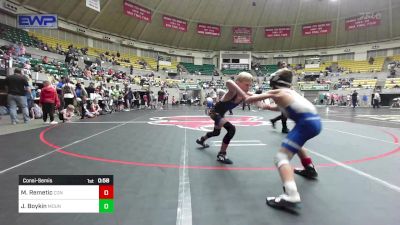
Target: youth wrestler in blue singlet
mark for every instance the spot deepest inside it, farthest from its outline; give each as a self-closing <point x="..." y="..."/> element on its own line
<point x="308" y="125"/>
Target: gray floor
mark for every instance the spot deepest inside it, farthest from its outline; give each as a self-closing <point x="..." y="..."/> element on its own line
<point x="357" y="155"/>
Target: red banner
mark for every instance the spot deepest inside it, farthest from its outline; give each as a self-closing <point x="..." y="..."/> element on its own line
<point x="363" y="21"/>
<point x="317" y="28"/>
<point x="175" y="23"/>
<point x="241" y="35"/>
<point x="275" y="32"/>
<point x="137" y="11"/>
<point x="209" y="30"/>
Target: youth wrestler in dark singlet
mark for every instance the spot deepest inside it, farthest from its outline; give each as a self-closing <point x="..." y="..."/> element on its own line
<point x="237" y="92"/>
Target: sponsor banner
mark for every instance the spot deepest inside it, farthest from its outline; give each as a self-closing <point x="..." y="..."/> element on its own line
<point x="188" y="86"/>
<point x="317" y="28"/>
<point x="174" y="23"/>
<point x="28" y="21"/>
<point x="241" y="39"/>
<point x="363" y="21"/>
<point x="241" y="30"/>
<point x="137" y="11"/>
<point x="308" y="66"/>
<point x="209" y="30"/>
<point x="241" y="35"/>
<point x="276" y="32"/>
<point x="93" y="4"/>
<point x="314" y="87"/>
<point x="164" y="63"/>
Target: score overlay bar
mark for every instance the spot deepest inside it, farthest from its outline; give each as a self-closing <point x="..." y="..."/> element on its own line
<point x="66" y="194"/>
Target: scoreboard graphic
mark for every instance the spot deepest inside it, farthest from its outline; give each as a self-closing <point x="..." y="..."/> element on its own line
<point x="66" y="194"/>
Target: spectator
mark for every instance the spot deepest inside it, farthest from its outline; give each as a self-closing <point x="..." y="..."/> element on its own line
<point x="68" y="92"/>
<point x="17" y="86"/>
<point x="81" y="96"/>
<point x="67" y="114"/>
<point x="365" y="99"/>
<point x="371" y="60"/>
<point x="45" y="60"/>
<point x="36" y="111"/>
<point x="95" y="108"/>
<point x="22" y="49"/>
<point x="354" y="98"/>
<point x="376" y="99"/>
<point x="49" y="101"/>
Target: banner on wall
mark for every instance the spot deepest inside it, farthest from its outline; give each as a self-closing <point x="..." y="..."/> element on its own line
<point x="174" y="23"/>
<point x="208" y="30"/>
<point x="32" y="21"/>
<point x="93" y="4"/>
<point x="137" y="11"/>
<point x="241" y="35"/>
<point x="317" y="28"/>
<point x="314" y="87"/>
<point x="363" y="21"/>
<point x="276" y="32"/>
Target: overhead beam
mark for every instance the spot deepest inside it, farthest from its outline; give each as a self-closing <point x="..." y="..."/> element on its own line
<point x="189" y="21"/>
<point x="98" y="14"/>
<point x="147" y="24"/>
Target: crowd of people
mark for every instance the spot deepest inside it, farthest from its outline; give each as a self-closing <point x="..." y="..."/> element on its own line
<point x="74" y="99"/>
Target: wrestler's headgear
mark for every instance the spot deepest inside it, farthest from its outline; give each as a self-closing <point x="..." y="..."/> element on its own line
<point x="281" y="79"/>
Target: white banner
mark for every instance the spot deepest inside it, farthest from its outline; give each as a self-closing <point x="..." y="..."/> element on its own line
<point x="93" y="4"/>
<point x="164" y="63"/>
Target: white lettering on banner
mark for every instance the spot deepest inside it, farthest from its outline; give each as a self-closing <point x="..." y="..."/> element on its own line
<point x="365" y="20"/>
<point x="137" y="11"/>
<point x="93" y="4"/>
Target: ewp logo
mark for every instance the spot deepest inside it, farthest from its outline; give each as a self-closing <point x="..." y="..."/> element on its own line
<point x="37" y="21"/>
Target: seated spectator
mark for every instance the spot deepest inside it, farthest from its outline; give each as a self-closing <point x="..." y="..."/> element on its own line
<point x="59" y="49"/>
<point x="38" y="68"/>
<point x="67" y="114"/>
<point x="86" y="112"/>
<point x="95" y="109"/>
<point x="22" y="49"/>
<point x="174" y="102"/>
<point x="36" y="111"/>
<point x="45" y="60"/>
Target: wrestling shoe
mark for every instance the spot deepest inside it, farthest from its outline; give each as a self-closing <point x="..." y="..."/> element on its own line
<point x="200" y="142"/>
<point x="221" y="157"/>
<point x="308" y="172"/>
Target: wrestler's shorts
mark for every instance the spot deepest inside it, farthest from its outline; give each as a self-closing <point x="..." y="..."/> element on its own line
<point x="305" y="129"/>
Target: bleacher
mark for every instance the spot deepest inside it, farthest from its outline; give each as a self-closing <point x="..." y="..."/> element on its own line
<point x="364" y="83"/>
<point x="268" y="68"/>
<point x="16" y="35"/>
<point x="392" y="83"/>
<point x="49" y="68"/>
<point x="396" y="58"/>
<point x="205" y="69"/>
<point x="362" y="66"/>
<point x="173" y="66"/>
<point x="231" y="71"/>
<point x="322" y="67"/>
<point x="95" y="52"/>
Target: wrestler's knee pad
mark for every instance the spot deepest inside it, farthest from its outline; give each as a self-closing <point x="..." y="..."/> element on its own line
<point x="281" y="159"/>
<point x="214" y="133"/>
<point x="231" y="132"/>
